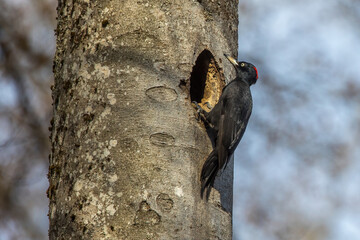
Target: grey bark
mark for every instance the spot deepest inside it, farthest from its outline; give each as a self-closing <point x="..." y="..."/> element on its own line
<point x="127" y="149"/>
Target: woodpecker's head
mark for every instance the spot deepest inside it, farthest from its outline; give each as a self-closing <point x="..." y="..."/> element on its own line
<point x="244" y="70"/>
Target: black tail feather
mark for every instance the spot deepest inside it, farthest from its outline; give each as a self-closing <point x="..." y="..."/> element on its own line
<point x="209" y="172"/>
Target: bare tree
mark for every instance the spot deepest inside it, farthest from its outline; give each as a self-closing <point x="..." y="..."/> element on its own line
<point x="126" y="146"/>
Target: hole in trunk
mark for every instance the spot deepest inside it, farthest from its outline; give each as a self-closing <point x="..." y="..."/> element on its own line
<point x="206" y="81"/>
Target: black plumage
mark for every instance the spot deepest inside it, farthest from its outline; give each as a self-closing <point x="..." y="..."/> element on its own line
<point x="228" y="120"/>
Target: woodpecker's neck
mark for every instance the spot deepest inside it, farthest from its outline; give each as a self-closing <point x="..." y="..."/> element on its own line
<point x="246" y="79"/>
<point x="244" y="76"/>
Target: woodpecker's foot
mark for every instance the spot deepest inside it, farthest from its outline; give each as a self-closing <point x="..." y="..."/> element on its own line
<point x="196" y="105"/>
<point x="199" y="111"/>
<point x="208" y="105"/>
<point x="201" y="114"/>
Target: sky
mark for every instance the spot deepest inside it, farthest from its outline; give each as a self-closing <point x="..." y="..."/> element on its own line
<point x="297" y="167"/>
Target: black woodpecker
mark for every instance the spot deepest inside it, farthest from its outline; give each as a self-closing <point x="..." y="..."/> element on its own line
<point x="228" y="120"/>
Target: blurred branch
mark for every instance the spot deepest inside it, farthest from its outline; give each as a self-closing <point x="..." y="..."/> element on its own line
<point x="26" y="65"/>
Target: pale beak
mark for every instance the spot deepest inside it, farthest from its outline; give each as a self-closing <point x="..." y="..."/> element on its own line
<point x="232" y="60"/>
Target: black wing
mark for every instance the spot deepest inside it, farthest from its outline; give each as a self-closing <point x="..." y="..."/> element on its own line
<point x="233" y="120"/>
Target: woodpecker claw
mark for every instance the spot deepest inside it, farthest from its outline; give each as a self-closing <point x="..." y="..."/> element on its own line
<point x="198" y="110"/>
<point x="196" y="104"/>
<point x="208" y="105"/>
<point x="202" y="114"/>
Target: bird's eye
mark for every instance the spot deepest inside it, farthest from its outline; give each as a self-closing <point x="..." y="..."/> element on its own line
<point x="242" y="65"/>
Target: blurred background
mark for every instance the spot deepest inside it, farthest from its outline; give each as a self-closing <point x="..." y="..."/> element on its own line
<point x="297" y="174"/>
<point x="27" y="46"/>
<point x="297" y="170"/>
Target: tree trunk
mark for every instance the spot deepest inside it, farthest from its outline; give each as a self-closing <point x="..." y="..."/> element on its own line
<point x="127" y="149"/>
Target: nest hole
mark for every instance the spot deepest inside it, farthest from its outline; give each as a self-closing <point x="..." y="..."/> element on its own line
<point x="207" y="81"/>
